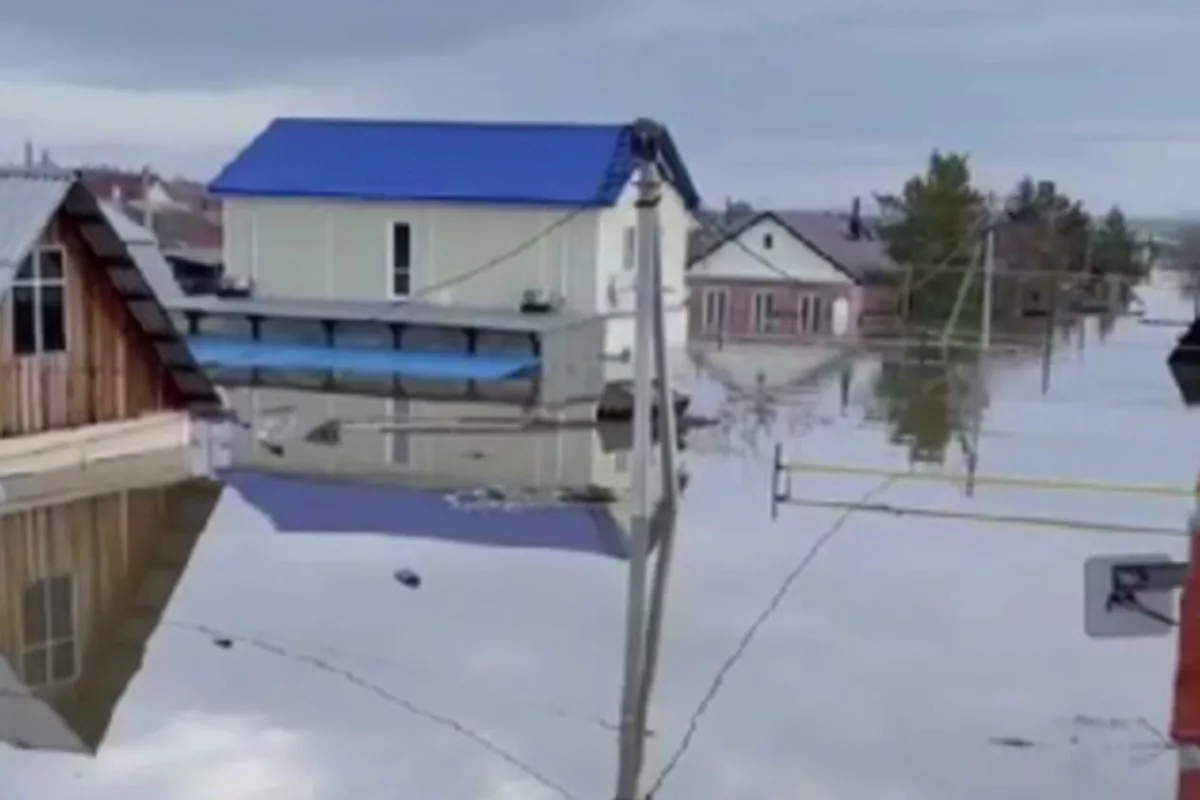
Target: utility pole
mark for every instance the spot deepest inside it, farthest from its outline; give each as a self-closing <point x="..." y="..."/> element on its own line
<point x="645" y="147"/>
<point x="668" y="436"/>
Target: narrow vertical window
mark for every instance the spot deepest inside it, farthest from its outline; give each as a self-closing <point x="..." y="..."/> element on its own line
<point x="401" y="266"/>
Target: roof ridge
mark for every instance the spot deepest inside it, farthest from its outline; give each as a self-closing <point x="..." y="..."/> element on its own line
<point x="460" y="123"/>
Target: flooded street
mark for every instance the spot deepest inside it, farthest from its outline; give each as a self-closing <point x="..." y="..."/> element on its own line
<point x="910" y="657"/>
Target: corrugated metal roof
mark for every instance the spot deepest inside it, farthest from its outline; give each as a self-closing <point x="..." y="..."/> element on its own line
<point x="410" y="313"/>
<point x="143" y="247"/>
<point x="27" y="200"/>
<point x="452" y="162"/>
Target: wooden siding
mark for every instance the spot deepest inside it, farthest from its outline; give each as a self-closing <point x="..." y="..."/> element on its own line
<point x="121" y="551"/>
<point x="109" y="371"/>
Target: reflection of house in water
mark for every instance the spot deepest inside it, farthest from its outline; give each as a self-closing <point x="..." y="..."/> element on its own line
<point x="88" y="563"/>
<point x="747" y="367"/>
<point x="459" y="471"/>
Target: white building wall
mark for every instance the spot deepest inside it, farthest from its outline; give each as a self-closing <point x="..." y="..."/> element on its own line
<point x="341" y="250"/>
<point x="769" y="241"/>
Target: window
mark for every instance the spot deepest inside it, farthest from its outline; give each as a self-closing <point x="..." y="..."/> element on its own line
<point x="766" y="319"/>
<point x="399" y="442"/>
<point x="716" y="310"/>
<point x="768" y="241"/>
<point x="39" y="309"/>
<point x="629" y="248"/>
<point x="814" y="314"/>
<point x="401" y="260"/>
<point x="49" y="655"/>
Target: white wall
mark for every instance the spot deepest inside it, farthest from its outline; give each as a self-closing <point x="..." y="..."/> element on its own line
<point x="614" y="274"/>
<point x="799" y="261"/>
<point x="341" y="250"/>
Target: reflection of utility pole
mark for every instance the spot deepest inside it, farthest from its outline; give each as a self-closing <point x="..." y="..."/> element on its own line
<point x="985" y="345"/>
<point x="1050" y="254"/>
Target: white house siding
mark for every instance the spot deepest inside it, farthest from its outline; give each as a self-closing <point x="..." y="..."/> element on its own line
<point x="793" y="257"/>
<point x="615" y="281"/>
<point x="341" y="250"/>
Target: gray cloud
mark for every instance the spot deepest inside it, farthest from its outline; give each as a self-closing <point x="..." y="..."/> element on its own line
<point x="889" y="76"/>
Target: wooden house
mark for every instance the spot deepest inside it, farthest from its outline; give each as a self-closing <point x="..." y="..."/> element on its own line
<point x="85" y="344"/>
<point x="86" y="571"/>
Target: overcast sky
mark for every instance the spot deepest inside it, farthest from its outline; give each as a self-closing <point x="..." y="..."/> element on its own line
<point x="786" y="102"/>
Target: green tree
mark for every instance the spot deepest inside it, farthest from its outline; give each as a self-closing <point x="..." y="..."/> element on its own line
<point x="1116" y="248"/>
<point x="929" y="228"/>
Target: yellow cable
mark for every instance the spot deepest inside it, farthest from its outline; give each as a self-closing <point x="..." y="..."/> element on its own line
<point x="1004" y="481"/>
<point x="976" y="516"/>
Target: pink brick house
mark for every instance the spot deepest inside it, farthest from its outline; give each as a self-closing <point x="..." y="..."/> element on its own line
<point x="792" y="277"/>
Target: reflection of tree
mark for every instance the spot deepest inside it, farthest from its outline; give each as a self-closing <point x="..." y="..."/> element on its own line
<point x="920" y="396"/>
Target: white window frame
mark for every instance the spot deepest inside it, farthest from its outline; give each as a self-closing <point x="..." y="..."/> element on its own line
<point x="819" y="309"/>
<point x="719" y="297"/>
<point x="46" y="649"/>
<point x="762" y="303"/>
<point x="392" y="269"/>
<point x="37" y="283"/>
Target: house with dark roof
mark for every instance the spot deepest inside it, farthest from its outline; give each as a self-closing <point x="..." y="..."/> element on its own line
<point x="91" y="365"/>
<point x="790" y="277"/>
<point x="473" y="214"/>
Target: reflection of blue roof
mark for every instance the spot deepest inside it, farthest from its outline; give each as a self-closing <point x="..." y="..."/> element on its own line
<point x="297" y="504"/>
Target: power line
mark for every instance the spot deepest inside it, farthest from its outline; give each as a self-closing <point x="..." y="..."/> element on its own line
<point x="386" y="695"/>
<point x="747" y="638"/>
<point x="1033" y="521"/>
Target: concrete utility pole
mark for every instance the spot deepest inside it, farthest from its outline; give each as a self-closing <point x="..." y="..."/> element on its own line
<point x="645" y="145"/>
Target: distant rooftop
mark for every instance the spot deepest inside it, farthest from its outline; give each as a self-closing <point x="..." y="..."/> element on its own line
<point x="827" y="232"/>
<point x="449" y="162"/>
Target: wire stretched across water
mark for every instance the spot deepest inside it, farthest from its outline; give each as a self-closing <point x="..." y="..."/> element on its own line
<point x="747" y="638"/>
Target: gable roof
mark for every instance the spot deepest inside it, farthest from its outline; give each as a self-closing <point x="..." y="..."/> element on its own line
<point x="29" y="199"/>
<point x="509" y="163"/>
<point x="827" y="233"/>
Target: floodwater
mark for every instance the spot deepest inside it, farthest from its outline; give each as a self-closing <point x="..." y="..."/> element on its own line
<point x="909" y="658"/>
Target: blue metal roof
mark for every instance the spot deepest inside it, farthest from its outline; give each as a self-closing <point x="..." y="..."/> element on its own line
<point x="218" y="352"/>
<point x="451" y="162"/>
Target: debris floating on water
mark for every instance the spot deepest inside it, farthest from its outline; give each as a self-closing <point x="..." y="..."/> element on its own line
<point x="407" y="577"/>
<point x="1011" y="741"/>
